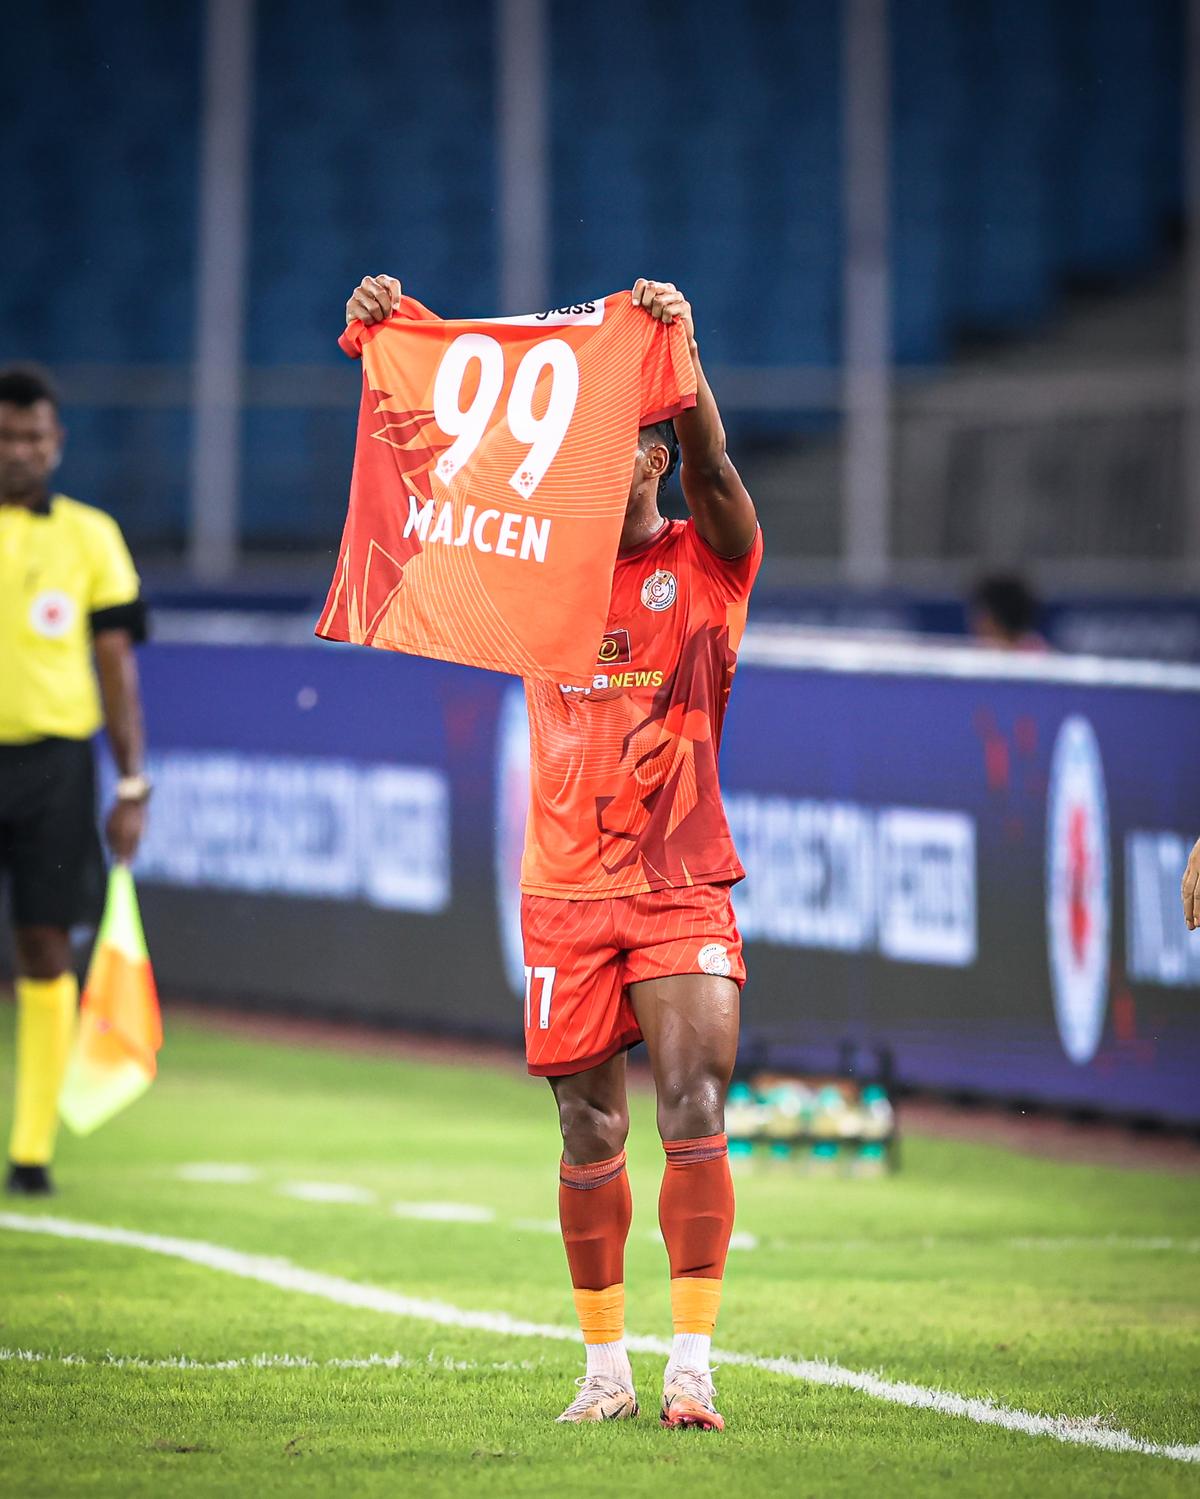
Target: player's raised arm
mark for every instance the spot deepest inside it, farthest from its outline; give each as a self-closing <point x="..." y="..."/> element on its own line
<point x="1191" y="889"/>
<point x="719" y="502"/>
<point x="373" y="300"/>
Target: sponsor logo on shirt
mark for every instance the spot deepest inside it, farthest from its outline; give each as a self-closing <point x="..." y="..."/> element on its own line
<point x="573" y="311"/>
<point x="605" y="681"/>
<point x="1078" y="898"/>
<point x="714" y="958"/>
<point x="578" y="314"/>
<point x="659" y="590"/>
<point x="52" y="613"/>
<point x="615" y="649"/>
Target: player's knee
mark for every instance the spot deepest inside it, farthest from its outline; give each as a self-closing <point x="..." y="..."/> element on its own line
<point x="591" y="1131"/>
<point x="691" y="1106"/>
<point x="43" y="952"/>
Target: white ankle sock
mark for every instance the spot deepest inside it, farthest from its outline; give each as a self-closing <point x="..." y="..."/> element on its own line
<point x="690" y="1350"/>
<point x="610" y="1359"/>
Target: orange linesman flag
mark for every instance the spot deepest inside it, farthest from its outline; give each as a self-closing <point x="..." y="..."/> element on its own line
<point x="120" y="1028"/>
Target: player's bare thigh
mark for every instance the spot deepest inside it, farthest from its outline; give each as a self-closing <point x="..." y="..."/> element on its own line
<point x="690" y="1024"/>
<point x="593" y="1112"/>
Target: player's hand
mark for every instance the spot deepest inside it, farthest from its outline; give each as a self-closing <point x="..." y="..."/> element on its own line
<point x="373" y="300"/>
<point x="124" y="829"/>
<point x="663" y="300"/>
<point x="1191" y="889"/>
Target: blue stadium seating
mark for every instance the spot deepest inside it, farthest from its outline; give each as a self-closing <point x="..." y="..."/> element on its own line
<point x="1034" y="141"/>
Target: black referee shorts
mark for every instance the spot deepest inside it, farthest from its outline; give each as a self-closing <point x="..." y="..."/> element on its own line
<point x="50" y="852"/>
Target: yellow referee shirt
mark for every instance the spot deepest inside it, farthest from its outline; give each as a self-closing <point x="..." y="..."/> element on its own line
<point x="58" y="566"/>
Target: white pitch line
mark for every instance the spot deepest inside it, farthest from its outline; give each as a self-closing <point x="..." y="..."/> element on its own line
<point x="335" y="1192"/>
<point x="1144" y="1244"/>
<point x="1110" y="1241"/>
<point x="1085" y="1431"/>
<point x="536" y="1226"/>
<point x="444" y="1212"/>
<point x="343" y="1193"/>
<point x="736" y="1240"/>
<point x="261" y="1361"/>
<point x="218" y="1171"/>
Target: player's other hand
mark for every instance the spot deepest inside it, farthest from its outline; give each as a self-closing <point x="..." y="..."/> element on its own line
<point x="373" y="300"/>
<point x="124" y="829"/>
<point x="1191" y="889"/>
<point x="664" y="301"/>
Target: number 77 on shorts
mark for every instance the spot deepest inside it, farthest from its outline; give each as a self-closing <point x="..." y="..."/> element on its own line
<point x="491" y="476"/>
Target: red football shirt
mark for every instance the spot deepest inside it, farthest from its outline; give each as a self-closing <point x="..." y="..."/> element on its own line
<point x="624" y="794"/>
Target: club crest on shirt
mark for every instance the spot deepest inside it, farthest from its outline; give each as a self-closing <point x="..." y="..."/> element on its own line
<point x="714" y="958"/>
<point x="659" y="590"/>
<point x="52" y="613"/>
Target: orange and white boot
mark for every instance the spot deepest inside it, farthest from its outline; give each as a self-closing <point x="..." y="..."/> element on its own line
<point x="688" y="1396"/>
<point x="601" y="1398"/>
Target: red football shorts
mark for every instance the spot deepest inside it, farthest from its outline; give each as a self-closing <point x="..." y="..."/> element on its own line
<point x="582" y="955"/>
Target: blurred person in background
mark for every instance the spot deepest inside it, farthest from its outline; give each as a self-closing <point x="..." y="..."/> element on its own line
<point x="1004" y="613"/>
<point x="70" y="613"/>
<point x="626" y="913"/>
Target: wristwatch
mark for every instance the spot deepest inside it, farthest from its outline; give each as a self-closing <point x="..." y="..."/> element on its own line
<point x="134" y="788"/>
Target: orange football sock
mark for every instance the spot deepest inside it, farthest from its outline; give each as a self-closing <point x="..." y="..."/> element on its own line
<point x="695" y="1212"/>
<point x="595" y="1210"/>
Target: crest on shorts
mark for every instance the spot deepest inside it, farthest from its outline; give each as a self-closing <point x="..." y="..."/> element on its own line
<point x="659" y="590"/>
<point x="714" y="958"/>
<point x="52" y="613"/>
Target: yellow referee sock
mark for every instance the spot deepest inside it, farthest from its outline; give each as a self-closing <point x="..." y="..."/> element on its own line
<point x="45" y="1028"/>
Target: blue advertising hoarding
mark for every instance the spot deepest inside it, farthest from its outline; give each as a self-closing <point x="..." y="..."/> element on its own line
<point x="975" y="866"/>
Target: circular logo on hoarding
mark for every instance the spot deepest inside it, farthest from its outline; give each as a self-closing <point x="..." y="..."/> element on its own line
<point x="713" y="958"/>
<point x="52" y="613"/>
<point x="1078" y="896"/>
<point x="659" y="590"/>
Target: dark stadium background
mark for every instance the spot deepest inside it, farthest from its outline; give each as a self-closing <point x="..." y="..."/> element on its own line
<point x="940" y="263"/>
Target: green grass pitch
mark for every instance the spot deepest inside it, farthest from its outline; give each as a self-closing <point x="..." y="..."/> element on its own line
<point x="1053" y="1288"/>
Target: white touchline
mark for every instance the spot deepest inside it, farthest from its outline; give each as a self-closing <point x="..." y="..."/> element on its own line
<point x="336" y="1192"/>
<point x="263" y="1361"/>
<point x="218" y="1171"/>
<point x="536" y="1225"/>
<point x="968" y="1245"/>
<point x="444" y="1212"/>
<point x="1110" y="1241"/>
<point x="466" y="1212"/>
<point x="736" y="1240"/>
<point x="1083" y="1431"/>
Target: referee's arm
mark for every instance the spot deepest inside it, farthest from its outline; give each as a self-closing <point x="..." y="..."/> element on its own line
<point x="118" y="623"/>
<point x="120" y="696"/>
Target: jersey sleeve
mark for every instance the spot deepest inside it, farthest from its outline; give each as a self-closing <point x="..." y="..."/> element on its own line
<point x="730" y="578"/>
<point x="358" y="333"/>
<point x="114" y="580"/>
<point x="668" y="378"/>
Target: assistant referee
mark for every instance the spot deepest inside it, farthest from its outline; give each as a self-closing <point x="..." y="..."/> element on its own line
<point x="69" y="597"/>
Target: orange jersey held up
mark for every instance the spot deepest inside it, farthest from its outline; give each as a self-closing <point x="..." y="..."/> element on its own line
<point x="624" y="796"/>
<point x="491" y="477"/>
